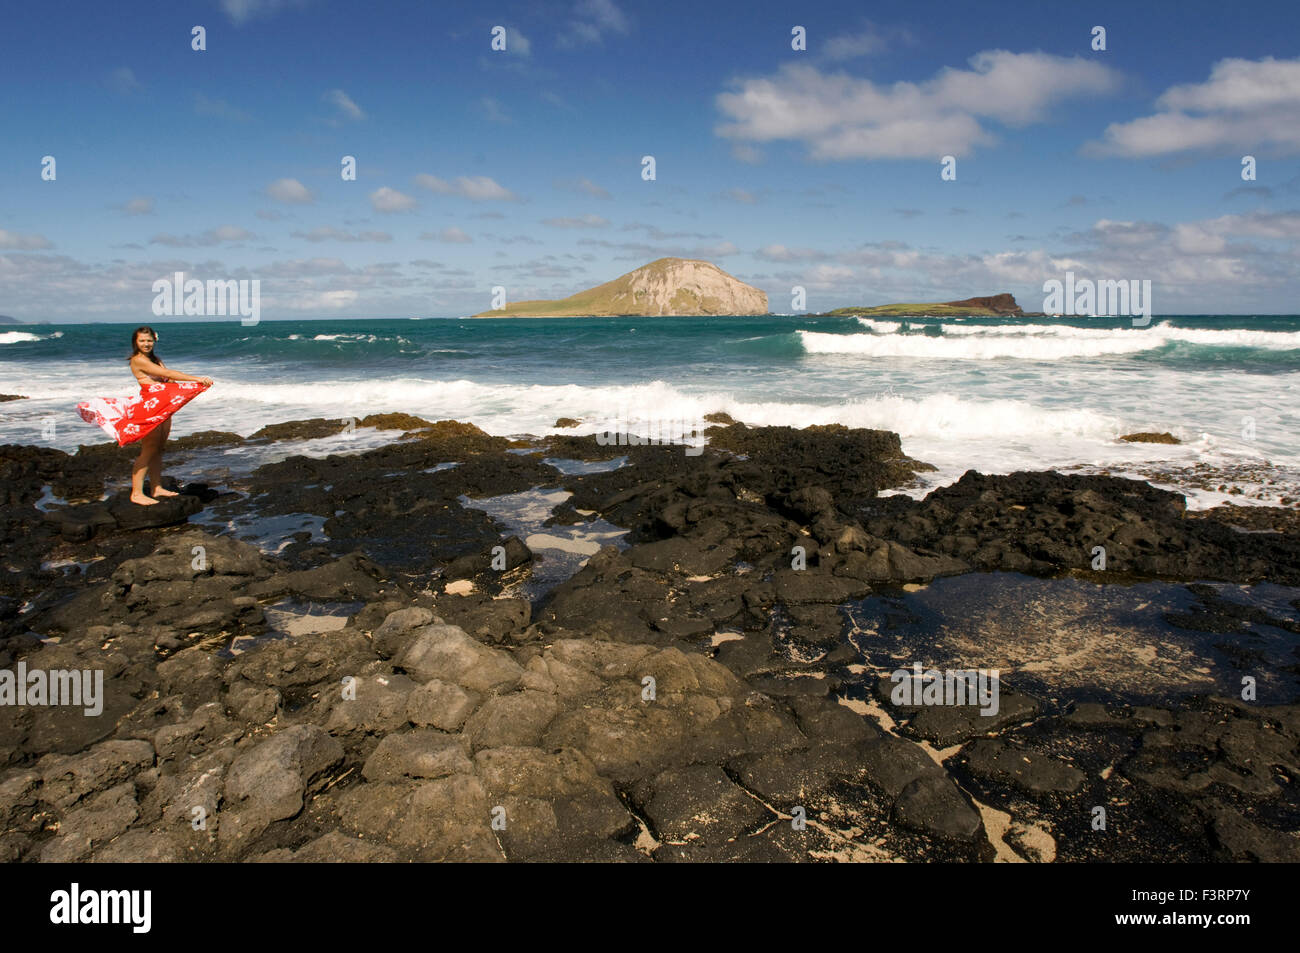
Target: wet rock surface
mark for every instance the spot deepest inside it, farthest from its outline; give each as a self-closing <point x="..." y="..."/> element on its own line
<point x="1046" y="523"/>
<point x="689" y="695"/>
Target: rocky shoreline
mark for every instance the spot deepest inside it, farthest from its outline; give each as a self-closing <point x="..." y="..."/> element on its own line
<point x="390" y="683"/>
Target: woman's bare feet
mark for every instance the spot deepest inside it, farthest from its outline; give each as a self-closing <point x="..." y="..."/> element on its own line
<point x="142" y="499"/>
<point x="160" y="491"/>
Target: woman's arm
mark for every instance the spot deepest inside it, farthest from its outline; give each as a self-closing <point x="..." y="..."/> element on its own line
<point x="154" y="369"/>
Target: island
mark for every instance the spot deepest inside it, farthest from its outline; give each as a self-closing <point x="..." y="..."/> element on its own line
<point x="666" y="287"/>
<point x="5" y="319"/>
<point x="993" y="306"/>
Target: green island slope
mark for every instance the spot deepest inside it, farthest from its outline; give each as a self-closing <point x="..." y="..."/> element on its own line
<point x="994" y="306"/>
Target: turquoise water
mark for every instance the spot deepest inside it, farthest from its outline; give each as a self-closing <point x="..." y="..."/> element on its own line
<point x="615" y="349"/>
<point x="989" y="393"/>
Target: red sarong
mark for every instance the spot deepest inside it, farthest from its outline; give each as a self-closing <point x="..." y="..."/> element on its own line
<point x="128" y="419"/>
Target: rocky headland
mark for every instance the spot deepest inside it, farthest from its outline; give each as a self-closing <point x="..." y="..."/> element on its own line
<point x="989" y="306"/>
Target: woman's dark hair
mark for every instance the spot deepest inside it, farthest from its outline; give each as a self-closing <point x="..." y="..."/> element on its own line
<point x="135" y="348"/>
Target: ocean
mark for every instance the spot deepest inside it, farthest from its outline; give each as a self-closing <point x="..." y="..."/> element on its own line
<point x="990" y="394"/>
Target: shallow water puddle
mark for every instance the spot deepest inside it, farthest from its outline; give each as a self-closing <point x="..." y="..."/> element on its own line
<point x="292" y="618"/>
<point x="270" y="534"/>
<point x="563" y="549"/>
<point x="68" y="564"/>
<point x="578" y="467"/>
<point x="438" y="468"/>
<point x="1070" y="639"/>
<point x="48" y="500"/>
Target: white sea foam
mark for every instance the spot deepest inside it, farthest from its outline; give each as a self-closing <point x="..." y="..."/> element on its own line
<point x="1041" y="341"/>
<point x="1269" y="340"/>
<point x="16" y="337"/>
<point x="348" y="337"/>
<point x="1021" y="329"/>
<point x="1032" y="348"/>
<point x="884" y="327"/>
<point x="994" y="417"/>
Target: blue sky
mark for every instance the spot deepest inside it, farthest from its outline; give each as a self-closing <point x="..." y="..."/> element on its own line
<point x="522" y="168"/>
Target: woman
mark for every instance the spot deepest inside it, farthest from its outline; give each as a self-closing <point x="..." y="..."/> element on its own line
<point x="146" y="418"/>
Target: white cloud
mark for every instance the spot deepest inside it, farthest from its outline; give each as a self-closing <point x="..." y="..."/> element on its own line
<point x="838" y="116"/>
<point x="1245" y="104"/>
<point x="829" y="274"/>
<point x="516" y="42"/>
<point x="290" y="191"/>
<point x="1233" y="263"/>
<point x="1128" y="233"/>
<point x="849" y="46"/>
<point x="1284" y="225"/>
<point x="782" y="253"/>
<point x="23" y="242"/>
<point x="319" y="301"/>
<point x="592" y="21"/>
<point x="643" y="251"/>
<point x="1195" y="240"/>
<point x="345" y="104"/>
<point x="479" y="188"/>
<point x="388" y="200"/>
<point x="140" y="205"/>
<point x="241" y="11"/>
<point x="583" y="186"/>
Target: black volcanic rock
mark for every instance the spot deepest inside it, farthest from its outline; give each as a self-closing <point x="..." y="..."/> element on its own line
<point x="682" y="699"/>
<point x="1049" y="523"/>
<point x="168" y="511"/>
